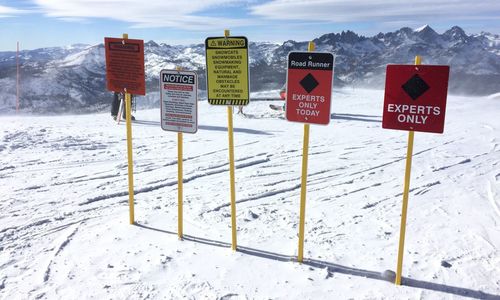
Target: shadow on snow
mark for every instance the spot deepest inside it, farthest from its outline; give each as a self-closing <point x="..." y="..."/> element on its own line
<point x="353" y="117"/>
<point x="208" y="127"/>
<point x="335" y="268"/>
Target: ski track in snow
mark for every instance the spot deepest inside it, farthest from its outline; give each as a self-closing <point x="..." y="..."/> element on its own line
<point x="65" y="208"/>
<point x="208" y="172"/>
<point x="468" y="160"/>
<point x="60" y="248"/>
<point x="492" y="197"/>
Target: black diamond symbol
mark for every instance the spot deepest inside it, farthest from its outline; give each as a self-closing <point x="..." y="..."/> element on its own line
<point x="415" y="87"/>
<point x="309" y="83"/>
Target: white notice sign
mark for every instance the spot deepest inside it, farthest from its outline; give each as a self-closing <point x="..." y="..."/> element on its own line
<point x="179" y="101"/>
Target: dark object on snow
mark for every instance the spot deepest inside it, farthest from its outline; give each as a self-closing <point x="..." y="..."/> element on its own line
<point x="115" y="105"/>
<point x="131" y="118"/>
<point x="445" y="264"/>
<point x="389" y="275"/>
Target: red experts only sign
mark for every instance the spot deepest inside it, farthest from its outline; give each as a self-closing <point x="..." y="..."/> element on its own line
<point x="415" y="97"/>
<point x="309" y="87"/>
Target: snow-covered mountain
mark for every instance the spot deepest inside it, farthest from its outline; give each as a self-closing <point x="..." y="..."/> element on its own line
<point x="73" y="78"/>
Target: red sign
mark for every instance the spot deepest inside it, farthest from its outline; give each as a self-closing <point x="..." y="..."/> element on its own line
<point x="309" y="87"/>
<point x="125" y="65"/>
<point x="415" y="97"/>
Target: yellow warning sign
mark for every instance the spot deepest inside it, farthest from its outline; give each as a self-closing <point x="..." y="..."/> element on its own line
<point x="227" y="70"/>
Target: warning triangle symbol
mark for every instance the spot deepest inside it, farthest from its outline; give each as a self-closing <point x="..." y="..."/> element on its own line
<point x="213" y="43"/>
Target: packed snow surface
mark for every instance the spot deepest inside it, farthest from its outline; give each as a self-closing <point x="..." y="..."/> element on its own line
<point x="65" y="232"/>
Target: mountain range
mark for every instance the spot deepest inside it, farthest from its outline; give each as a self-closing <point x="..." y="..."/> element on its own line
<point x="72" y="78"/>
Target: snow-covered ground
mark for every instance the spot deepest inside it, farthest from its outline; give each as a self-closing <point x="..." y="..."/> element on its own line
<point x="64" y="223"/>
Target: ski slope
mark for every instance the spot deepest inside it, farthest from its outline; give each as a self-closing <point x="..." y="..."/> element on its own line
<point x="64" y="218"/>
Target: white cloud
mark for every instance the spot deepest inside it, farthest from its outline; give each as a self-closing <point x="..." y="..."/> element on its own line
<point x="144" y="13"/>
<point x="6" y="11"/>
<point x="377" y="10"/>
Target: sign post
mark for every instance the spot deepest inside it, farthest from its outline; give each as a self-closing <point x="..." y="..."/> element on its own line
<point x="415" y="100"/>
<point x="309" y="90"/>
<point x="415" y="97"/>
<point x="17" y="79"/>
<point x="228" y="84"/>
<point x="125" y="74"/>
<point x="179" y="113"/>
<point x="179" y="101"/>
<point x="125" y="65"/>
<point x="227" y="70"/>
<point x="309" y="87"/>
<point x="180" y="188"/>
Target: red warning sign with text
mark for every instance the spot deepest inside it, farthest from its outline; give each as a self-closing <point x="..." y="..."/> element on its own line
<point x="309" y="87"/>
<point x="415" y="97"/>
<point x="125" y="65"/>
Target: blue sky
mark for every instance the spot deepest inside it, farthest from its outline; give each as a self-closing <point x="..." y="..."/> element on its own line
<point x="46" y="23"/>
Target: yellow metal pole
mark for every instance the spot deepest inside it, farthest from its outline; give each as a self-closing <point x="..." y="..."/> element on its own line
<point x="402" y="231"/>
<point x="305" y="153"/>
<point x="128" y="104"/>
<point x="303" y="187"/>
<point x="231" y="169"/>
<point x="179" y="183"/>
<point x="17" y="79"/>
<point x="231" y="174"/>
